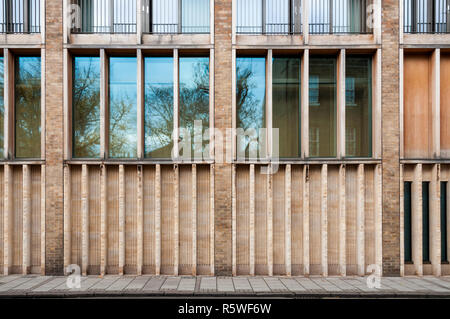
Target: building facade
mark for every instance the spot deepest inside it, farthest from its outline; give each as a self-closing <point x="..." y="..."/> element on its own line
<point x="225" y="137"/>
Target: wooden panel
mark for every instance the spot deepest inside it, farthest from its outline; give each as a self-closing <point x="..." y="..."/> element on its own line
<point x="279" y="222"/>
<point x="185" y="263"/>
<point x="94" y="220"/>
<point x="369" y="217"/>
<point x="35" y="219"/>
<point x="242" y="219"/>
<point x="203" y="221"/>
<point x="333" y="220"/>
<point x="417" y="106"/>
<point x="297" y="220"/>
<point x="75" y="215"/>
<point x="260" y="222"/>
<point x="445" y="105"/>
<point x="351" y="199"/>
<point x="149" y="220"/>
<point x="315" y="220"/>
<point x="130" y="219"/>
<point x="167" y="219"/>
<point x="112" y="219"/>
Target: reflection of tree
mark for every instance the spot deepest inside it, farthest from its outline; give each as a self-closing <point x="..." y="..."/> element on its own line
<point x="248" y="104"/>
<point x="121" y="126"/>
<point x="194" y="105"/>
<point x="28" y="107"/>
<point x="86" y="105"/>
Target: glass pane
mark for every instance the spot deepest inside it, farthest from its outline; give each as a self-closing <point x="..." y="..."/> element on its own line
<point x="158" y="107"/>
<point x="122" y="107"/>
<point x="195" y="16"/>
<point x="28" y="107"/>
<point x="86" y="107"/>
<point x="250" y="105"/>
<point x="249" y="16"/>
<point x="358" y="110"/>
<point x="2" y="106"/>
<point x="322" y="107"/>
<point x="194" y="103"/>
<point x="286" y="105"/>
<point x="164" y="16"/>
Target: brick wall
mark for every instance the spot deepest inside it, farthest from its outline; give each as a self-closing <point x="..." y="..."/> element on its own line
<point x="222" y="91"/>
<point x="54" y="251"/>
<point x="391" y="137"/>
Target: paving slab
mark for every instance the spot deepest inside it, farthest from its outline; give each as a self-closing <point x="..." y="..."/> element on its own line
<point x="104" y="283"/>
<point x="208" y="284"/>
<point x="49" y="285"/>
<point x="138" y="283"/>
<point x="225" y="285"/>
<point x="292" y="285"/>
<point x="171" y="283"/>
<point x="326" y="285"/>
<point x="275" y="284"/>
<point x="187" y="285"/>
<point x="154" y="284"/>
<point x="342" y="284"/>
<point x="14" y="283"/>
<point x="308" y="284"/>
<point x="32" y="283"/>
<point x="426" y="285"/>
<point x="241" y="284"/>
<point x="439" y="282"/>
<point x="259" y="285"/>
<point x="120" y="284"/>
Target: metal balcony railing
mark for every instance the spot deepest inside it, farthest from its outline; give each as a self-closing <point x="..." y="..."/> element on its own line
<point x="426" y="16"/>
<point x="339" y="16"/>
<point x="103" y="16"/>
<point x="20" y="16"/>
<point x="176" y="16"/>
<point x="269" y="17"/>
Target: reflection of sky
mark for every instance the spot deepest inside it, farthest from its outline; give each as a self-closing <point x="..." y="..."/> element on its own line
<point x="187" y="70"/>
<point x="195" y="14"/>
<point x="158" y="75"/>
<point x="123" y="88"/>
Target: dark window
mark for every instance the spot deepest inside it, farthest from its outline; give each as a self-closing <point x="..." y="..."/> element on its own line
<point x="426" y="221"/>
<point x="444" y="256"/>
<point x="286" y="105"/>
<point x="2" y="107"/>
<point x="407" y="229"/>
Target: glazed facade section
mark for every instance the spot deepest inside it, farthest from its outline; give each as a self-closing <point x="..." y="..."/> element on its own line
<point x="118" y="153"/>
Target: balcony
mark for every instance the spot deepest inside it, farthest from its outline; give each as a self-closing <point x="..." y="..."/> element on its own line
<point x="339" y="17"/>
<point x="158" y="16"/>
<point x="20" y="16"/>
<point x="275" y="17"/>
<point x="426" y="16"/>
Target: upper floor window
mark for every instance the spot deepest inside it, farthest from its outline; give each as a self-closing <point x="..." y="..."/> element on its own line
<point x="158" y="16"/>
<point x="426" y="16"/>
<point x="20" y="16"/>
<point x="176" y="16"/>
<point x="104" y="16"/>
<point x="339" y="16"/>
<point x="269" y="16"/>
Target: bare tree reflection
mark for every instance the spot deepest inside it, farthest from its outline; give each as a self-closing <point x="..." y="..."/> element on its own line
<point x="28" y="107"/>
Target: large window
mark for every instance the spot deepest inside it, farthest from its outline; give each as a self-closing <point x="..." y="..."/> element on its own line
<point x="322" y="107"/>
<point x="158" y="107"/>
<point x="86" y="107"/>
<point x="194" y="103"/>
<point x="286" y="105"/>
<point x="122" y="107"/>
<point x="358" y="110"/>
<point x="27" y="107"/>
<point x="250" y="106"/>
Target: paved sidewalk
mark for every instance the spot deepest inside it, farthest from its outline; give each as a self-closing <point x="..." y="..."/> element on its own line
<point x="294" y="287"/>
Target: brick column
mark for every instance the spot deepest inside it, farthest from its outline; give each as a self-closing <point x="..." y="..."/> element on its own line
<point x="222" y="121"/>
<point x="54" y="188"/>
<point x="391" y="137"/>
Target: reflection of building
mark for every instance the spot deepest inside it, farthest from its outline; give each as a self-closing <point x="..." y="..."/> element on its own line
<point x="91" y="99"/>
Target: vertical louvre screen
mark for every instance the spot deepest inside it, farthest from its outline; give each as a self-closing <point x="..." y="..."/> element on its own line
<point x="407" y="222"/>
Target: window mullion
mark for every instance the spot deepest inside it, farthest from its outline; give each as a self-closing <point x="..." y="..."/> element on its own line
<point x="176" y="81"/>
<point x="103" y="105"/>
<point x="140" y="105"/>
<point x="269" y="131"/>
